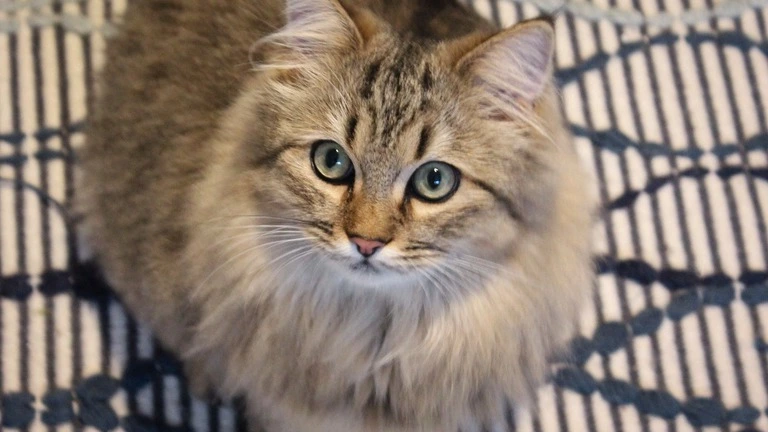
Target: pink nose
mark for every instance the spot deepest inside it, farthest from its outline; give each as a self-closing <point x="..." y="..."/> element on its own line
<point x="366" y="247"/>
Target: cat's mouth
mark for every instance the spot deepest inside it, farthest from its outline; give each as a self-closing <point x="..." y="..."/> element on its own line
<point x="365" y="266"/>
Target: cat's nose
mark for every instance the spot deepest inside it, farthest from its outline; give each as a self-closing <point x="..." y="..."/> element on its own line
<point x="366" y="247"/>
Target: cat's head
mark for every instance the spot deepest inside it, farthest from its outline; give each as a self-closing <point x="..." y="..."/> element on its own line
<point x="388" y="159"/>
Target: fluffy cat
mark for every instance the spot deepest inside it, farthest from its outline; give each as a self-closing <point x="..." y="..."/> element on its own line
<point x="360" y="215"/>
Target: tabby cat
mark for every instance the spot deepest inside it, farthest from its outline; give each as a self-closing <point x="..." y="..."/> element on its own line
<point x="360" y="215"/>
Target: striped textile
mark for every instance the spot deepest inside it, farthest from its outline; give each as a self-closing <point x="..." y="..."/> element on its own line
<point x="667" y="100"/>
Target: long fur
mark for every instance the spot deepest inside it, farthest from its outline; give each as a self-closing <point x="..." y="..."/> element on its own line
<point x="205" y="212"/>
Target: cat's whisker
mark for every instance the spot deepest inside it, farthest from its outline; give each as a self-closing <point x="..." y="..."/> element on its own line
<point x="465" y="278"/>
<point x="460" y="282"/>
<point x="286" y="256"/>
<point x="253" y="236"/>
<point x="425" y="274"/>
<point x="423" y="287"/>
<point x="468" y="257"/>
<point x="226" y="245"/>
<point x="294" y="259"/>
<point x="264" y="246"/>
<point x="293" y="252"/>
<point x="277" y="66"/>
<point x="470" y="270"/>
<point x="439" y="268"/>
<point x="275" y="243"/>
<point x="299" y="223"/>
<point x="468" y="276"/>
<point x="258" y="272"/>
<point x="255" y="216"/>
<point x="220" y="266"/>
<point x="473" y="260"/>
<point x="472" y="263"/>
<point x="245" y="237"/>
<point x="249" y="230"/>
<point x="438" y="282"/>
<point x="421" y="272"/>
<point x="282" y="227"/>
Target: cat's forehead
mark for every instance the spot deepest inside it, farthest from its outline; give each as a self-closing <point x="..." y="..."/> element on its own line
<point x="395" y="94"/>
<point x="395" y="86"/>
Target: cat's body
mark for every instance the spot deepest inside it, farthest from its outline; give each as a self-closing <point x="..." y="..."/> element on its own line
<point x="204" y="210"/>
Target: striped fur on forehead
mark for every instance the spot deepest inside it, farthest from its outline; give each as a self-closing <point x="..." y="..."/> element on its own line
<point x="393" y="90"/>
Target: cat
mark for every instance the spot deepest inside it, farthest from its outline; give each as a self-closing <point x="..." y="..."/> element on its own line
<point x="359" y="215"/>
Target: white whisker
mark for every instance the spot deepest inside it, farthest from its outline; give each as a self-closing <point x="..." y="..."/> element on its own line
<point x="231" y="259"/>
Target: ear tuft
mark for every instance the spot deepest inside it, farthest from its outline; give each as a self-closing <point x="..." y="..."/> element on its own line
<point x="513" y="68"/>
<point x="313" y="28"/>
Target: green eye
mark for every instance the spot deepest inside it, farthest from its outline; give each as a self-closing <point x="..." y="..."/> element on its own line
<point x="435" y="181"/>
<point x="331" y="162"/>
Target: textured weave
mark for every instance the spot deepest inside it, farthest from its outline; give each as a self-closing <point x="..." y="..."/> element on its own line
<point x="667" y="99"/>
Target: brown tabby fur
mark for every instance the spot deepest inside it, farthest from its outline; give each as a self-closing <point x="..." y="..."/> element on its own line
<point x="204" y="211"/>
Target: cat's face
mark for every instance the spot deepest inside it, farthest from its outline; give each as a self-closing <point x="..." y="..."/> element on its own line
<point x="383" y="166"/>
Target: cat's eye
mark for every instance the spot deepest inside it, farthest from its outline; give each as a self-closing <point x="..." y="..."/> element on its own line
<point x="331" y="162"/>
<point x="435" y="181"/>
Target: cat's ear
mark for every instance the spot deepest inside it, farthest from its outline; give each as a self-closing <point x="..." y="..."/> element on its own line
<point x="512" y="68"/>
<point x="313" y="29"/>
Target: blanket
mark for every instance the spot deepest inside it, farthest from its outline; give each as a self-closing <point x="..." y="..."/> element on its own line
<point x="667" y="103"/>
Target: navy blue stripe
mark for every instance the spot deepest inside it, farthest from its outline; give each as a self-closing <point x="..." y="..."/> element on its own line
<point x="562" y="417"/>
<point x="535" y="417"/>
<point x="495" y="15"/>
<point x="106" y="332"/>
<point x="158" y="389"/>
<point x="213" y="418"/>
<point x="19" y="215"/>
<point x="65" y="120"/>
<point x="132" y="343"/>
<point x="509" y="412"/>
<point x="50" y="324"/>
<point x="2" y="338"/>
<point x="87" y="60"/>
<point x="761" y="24"/>
<point x="185" y="402"/>
<point x="241" y="421"/>
<point x="42" y="146"/>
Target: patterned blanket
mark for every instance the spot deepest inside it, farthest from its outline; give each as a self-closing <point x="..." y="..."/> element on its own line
<point x="667" y="100"/>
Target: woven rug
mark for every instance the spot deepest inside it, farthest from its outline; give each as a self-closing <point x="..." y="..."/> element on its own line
<point x="667" y="100"/>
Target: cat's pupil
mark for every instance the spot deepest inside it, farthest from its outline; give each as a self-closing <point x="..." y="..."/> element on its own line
<point x="332" y="158"/>
<point x="434" y="178"/>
